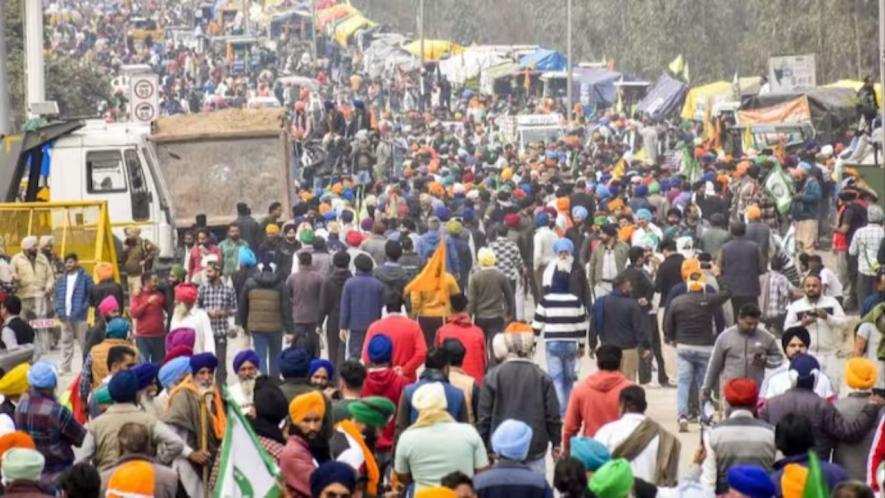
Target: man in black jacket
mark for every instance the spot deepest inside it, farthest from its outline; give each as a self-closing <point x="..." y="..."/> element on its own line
<point x="619" y="320"/>
<point x="264" y="312"/>
<point x="250" y="230"/>
<point x="643" y="290"/>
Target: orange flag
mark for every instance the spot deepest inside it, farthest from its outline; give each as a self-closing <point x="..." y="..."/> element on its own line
<point x="431" y="277"/>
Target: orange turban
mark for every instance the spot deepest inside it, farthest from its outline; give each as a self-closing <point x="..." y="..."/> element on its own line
<point x="104" y="270"/>
<point x="307" y="403"/>
<point x="518" y="328"/>
<point x="562" y="204"/>
<point x="17" y="439"/>
<point x="689" y="266"/>
<point x="741" y="169"/>
<point x="793" y="480"/>
<point x="753" y="213"/>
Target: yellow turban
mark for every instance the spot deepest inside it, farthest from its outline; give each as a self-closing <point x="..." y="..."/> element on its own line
<point x="860" y="373"/>
<point x="435" y="492"/>
<point x="689" y="266"/>
<point x="506" y="174"/>
<point x="486" y="257"/>
<point x="793" y="480"/>
<point x="272" y="229"/>
<point x="15" y="382"/>
<point x="301" y="406"/>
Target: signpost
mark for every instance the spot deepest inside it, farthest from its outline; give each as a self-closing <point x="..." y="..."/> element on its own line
<point x="791" y="73"/>
<point x="144" y="98"/>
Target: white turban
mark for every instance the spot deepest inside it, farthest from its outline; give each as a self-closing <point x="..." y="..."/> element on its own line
<point x="430" y="396"/>
<point x="29" y="243"/>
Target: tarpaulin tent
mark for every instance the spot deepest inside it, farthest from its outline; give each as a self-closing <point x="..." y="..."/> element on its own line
<point x="489" y="76"/>
<point x="434" y="50"/>
<point x="855" y="85"/>
<point x="664" y="98"/>
<point x="716" y="91"/>
<point x="468" y="64"/>
<point x="334" y="13"/>
<point x="831" y="110"/>
<point x="385" y="54"/>
<point x="345" y="29"/>
<point x="596" y="86"/>
<point x="544" y="59"/>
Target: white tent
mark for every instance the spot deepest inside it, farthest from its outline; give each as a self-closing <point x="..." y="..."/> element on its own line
<point x="469" y="64"/>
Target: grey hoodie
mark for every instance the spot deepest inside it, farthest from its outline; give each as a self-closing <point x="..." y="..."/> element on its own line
<point x="733" y="356"/>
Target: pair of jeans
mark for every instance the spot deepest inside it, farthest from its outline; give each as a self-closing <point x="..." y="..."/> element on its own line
<point x="645" y="365"/>
<point x="562" y="359"/>
<point x="691" y="365"/>
<point x="73" y="331"/>
<point x="151" y="349"/>
<point x="268" y="346"/>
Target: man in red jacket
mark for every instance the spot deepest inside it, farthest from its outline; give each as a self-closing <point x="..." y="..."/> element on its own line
<point x="148" y="310"/>
<point x="409" y="348"/>
<point x="594" y="402"/>
<point x="382" y="380"/>
<point x="469" y="335"/>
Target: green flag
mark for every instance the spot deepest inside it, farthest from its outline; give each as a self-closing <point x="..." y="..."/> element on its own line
<point x="815" y="484"/>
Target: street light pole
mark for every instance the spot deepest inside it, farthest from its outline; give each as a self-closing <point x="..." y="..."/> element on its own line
<point x="882" y="55"/>
<point x="34" y="53"/>
<point x="421" y="48"/>
<point x="568" y="77"/>
<point x="5" y="111"/>
<point x="313" y="30"/>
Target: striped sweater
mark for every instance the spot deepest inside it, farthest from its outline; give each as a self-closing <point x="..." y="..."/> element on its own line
<point x="561" y="317"/>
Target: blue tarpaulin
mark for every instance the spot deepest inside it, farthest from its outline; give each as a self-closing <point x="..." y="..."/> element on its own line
<point x="664" y="98"/>
<point x="597" y="86"/>
<point x="543" y="59"/>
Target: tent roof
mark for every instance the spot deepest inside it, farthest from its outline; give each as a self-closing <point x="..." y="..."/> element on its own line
<point x="504" y="69"/>
<point x="698" y="93"/>
<point x="664" y="98"/>
<point x="434" y="50"/>
<point x="544" y="59"/>
<point x="468" y="64"/>
<point x="345" y="29"/>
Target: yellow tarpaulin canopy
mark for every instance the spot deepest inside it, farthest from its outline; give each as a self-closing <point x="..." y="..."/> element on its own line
<point x="346" y="28"/>
<point x="855" y="85"/>
<point x="700" y="93"/>
<point x="334" y="13"/>
<point x="434" y="50"/>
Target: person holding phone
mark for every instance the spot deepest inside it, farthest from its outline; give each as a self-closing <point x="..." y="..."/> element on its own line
<point x="824" y="318"/>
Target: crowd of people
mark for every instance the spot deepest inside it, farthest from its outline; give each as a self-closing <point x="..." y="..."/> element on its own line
<point x="417" y="323"/>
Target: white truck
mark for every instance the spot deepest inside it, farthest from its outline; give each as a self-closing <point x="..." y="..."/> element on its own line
<point x="524" y="129"/>
<point x="156" y="177"/>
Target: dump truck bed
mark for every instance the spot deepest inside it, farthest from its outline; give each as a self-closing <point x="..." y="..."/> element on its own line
<point x="212" y="161"/>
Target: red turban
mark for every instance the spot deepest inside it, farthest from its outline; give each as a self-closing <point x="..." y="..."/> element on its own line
<point x="512" y="220"/>
<point x="177" y="352"/>
<point x="186" y="293"/>
<point x="353" y="238"/>
<point x="741" y="392"/>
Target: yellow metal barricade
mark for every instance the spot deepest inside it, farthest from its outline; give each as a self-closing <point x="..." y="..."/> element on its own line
<point x="83" y="228"/>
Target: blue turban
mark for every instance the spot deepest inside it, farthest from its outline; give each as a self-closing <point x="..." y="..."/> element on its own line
<point x="468" y="214"/>
<point x="512" y="439"/>
<point x="579" y="213"/>
<point x="564" y="245"/>
<point x="173" y="371"/>
<point x="380" y="349"/>
<point x="330" y="215"/>
<point x="590" y="452"/>
<point x="641" y="191"/>
<point x="146" y="373"/>
<point x="614" y="190"/>
<point x="318" y="363"/>
<point x="442" y="213"/>
<point x="709" y="176"/>
<point x="123" y="387"/>
<point x="643" y="214"/>
<point x="203" y="360"/>
<point x="118" y="328"/>
<point x="542" y="219"/>
<point x="247" y="257"/>
<point x="42" y="375"/>
<point x="751" y="481"/>
<point x="244" y="356"/>
<point x="526" y="187"/>
<point x="804" y="367"/>
<point x="294" y="362"/>
<point x="603" y="192"/>
<point x="331" y="473"/>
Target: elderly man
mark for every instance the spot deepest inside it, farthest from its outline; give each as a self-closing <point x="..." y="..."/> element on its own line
<point x="246" y="365"/>
<point x="511" y="476"/>
<point x="52" y="427"/>
<point x="34" y="278"/>
<point x="185" y="406"/>
<point x="520" y="390"/>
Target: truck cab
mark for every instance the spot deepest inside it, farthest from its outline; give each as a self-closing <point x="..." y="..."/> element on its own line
<point x="114" y="162"/>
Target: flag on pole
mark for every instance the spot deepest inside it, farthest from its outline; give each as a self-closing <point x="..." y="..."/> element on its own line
<point x="431" y="277"/>
<point x="816" y="484"/>
<point x="246" y="470"/>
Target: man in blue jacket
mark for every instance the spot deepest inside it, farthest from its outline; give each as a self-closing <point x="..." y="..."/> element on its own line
<point x="361" y="300"/>
<point x="71" y="304"/>
<point x="805" y="210"/>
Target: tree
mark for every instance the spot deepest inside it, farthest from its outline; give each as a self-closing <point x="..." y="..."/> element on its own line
<point x="76" y="87"/>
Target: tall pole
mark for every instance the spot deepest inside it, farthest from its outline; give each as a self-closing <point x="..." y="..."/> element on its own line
<point x="882" y="54"/>
<point x="568" y="77"/>
<point x="246" y="5"/>
<point x="5" y="111"/>
<point x="34" y="52"/>
<point x="421" y="48"/>
<point x="313" y="30"/>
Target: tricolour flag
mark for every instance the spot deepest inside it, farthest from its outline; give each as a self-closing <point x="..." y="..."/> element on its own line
<point x="246" y="470"/>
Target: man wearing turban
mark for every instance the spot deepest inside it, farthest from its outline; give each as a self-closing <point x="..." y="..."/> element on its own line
<point x="104" y="359"/>
<point x="34" y="278"/>
<point x="246" y="365"/>
<point x="510" y="442"/>
<point x="354" y="440"/>
<point x="187" y="315"/>
<point x="183" y="410"/>
<point x="297" y="461"/>
<point x="795" y="341"/>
